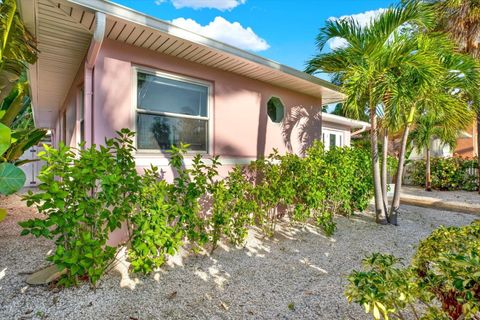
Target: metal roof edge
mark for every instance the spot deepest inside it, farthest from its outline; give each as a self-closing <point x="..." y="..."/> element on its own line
<point x="345" y="121"/>
<point x="123" y="12"/>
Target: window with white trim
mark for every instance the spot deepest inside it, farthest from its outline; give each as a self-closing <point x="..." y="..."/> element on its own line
<point x="332" y="139"/>
<point x="171" y="111"/>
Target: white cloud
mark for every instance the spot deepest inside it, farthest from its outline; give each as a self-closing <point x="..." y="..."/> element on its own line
<point x="159" y="2"/>
<point x="229" y="32"/>
<point x="363" y="19"/>
<point x="211" y="4"/>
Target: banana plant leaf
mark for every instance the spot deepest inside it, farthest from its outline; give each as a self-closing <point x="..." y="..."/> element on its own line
<point x="5" y="138"/>
<point x="17" y="47"/>
<point x="17" y="101"/>
<point x="22" y="140"/>
<point x="22" y="162"/>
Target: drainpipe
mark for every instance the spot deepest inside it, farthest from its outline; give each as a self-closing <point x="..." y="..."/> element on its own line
<point x="92" y="54"/>
<point x="364" y="128"/>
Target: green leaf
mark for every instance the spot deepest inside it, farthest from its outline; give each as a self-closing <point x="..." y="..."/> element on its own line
<point x="5" y="138"/>
<point x="12" y="178"/>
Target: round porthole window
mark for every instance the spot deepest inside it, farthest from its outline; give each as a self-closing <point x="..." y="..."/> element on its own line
<point x="275" y="109"/>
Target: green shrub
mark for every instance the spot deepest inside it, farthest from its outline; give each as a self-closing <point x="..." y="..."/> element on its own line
<point x="85" y="194"/>
<point x="88" y="193"/>
<point x="444" y="278"/>
<point x="447" y="173"/>
<point x="154" y="232"/>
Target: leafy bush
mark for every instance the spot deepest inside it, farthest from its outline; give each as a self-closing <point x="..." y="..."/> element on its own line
<point x="88" y="193"/>
<point x="447" y="173"/>
<point x="443" y="278"/>
<point x="85" y="195"/>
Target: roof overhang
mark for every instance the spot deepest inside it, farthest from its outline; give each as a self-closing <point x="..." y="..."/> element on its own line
<point x="345" y="121"/>
<point x="64" y="29"/>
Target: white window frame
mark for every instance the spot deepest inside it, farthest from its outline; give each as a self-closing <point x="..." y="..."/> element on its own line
<point x="339" y="140"/>
<point x="135" y="111"/>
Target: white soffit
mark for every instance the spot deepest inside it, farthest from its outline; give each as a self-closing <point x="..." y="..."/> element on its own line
<point x="62" y="42"/>
<point x="64" y="28"/>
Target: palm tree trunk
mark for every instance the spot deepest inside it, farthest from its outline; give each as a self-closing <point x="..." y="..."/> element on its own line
<point x="384" y="169"/>
<point x="380" y="215"/>
<point x="399" y="178"/>
<point x="428" y="178"/>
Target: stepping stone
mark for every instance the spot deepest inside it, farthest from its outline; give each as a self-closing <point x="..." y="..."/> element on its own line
<point x="45" y="275"/>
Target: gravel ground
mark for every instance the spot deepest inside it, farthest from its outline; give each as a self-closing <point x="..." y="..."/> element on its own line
<point x="299" y="274"/>
<point x="470" y="197"/>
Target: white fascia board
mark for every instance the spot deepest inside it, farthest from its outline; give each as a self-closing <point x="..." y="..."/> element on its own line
<point x="125" y="13"/>
<point x="345" y="121"/>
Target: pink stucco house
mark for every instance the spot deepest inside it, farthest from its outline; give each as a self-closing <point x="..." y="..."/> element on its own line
<point x="103" y="67"/>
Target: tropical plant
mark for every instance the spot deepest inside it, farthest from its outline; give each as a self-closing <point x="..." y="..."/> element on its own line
<point x="372" y="58"/>
<point x="17" y="47"/>
<point x="440" y="83"/>
<point x="461" y="20"/>
<point x="442" y="282"/>
<point x="405" y="70"/>
<point x="16" y="136"/>
<point x="440" y="126"/>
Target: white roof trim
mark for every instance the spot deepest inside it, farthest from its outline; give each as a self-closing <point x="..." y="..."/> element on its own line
<point x="345" y="121"/>
<point x="133" y="16"/>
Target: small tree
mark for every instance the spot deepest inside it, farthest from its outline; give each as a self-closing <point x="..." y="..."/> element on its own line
<point x="366" y="67"/>
<point x="438" y="125"/>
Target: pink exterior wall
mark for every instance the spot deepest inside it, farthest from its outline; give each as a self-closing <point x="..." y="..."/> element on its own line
<point x="242" y="130"/>
<point x="241" y="127"/>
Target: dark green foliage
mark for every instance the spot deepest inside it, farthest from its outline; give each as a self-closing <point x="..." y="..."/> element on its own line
<point x="154" y="232"/>
<point x="444" y="276"/>
<point x="84" y="198"/>
<point x="447" y="173"/>
<point x="87" y="193"/>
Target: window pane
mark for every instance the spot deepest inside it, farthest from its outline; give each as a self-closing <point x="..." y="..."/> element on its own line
<point x="70" y="118"/>
<point x="333" y="140"/>
<point x="167" y="95"/>
<point x="82" y="130"/>
<point x="81" y="104"/>
<point x="161" y="132"/>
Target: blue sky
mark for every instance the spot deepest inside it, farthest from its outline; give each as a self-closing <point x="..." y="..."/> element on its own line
<point x="281" y="30"/>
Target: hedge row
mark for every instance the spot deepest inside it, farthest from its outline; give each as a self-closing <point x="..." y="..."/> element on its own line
<point x="88" y="193"/>
<point x="447" y="173"/>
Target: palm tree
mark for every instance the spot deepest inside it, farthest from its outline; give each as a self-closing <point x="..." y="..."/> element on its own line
<point x="443" y="125"/>
<point x="461" y="20"/>
<point x="436" y="78"/>
<point x="366" y="67"/>
<point x="398" y="63"/>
